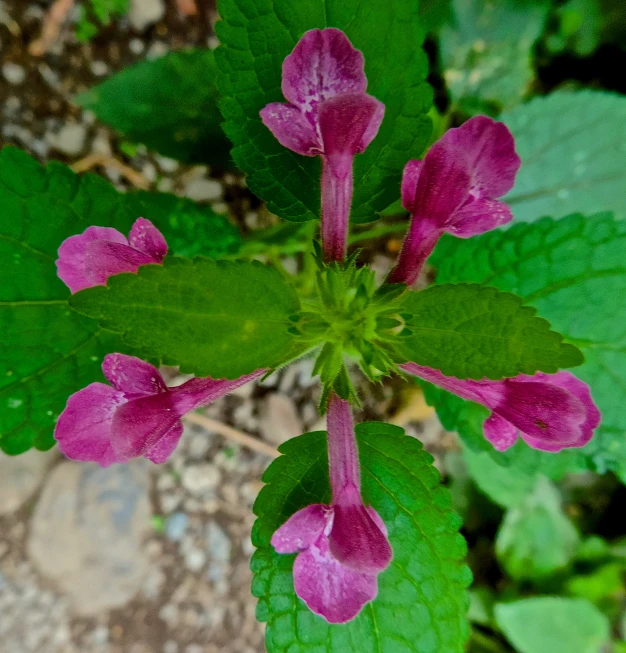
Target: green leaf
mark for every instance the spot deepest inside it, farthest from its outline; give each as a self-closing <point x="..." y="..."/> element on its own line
<point x="169" y="104"/>
<point x="421" y="601"/>
<point x="486" y="50"/>
<point x="549" y="624"/>
<point x="536" y="539"/>
<point x="573" y="271"/>
<point x="213" y="318"/>
<point x="47" y="351"/>
<point x="470" y="331"/>
<point x="573" y="151"/>
<point x="256" y="36"/>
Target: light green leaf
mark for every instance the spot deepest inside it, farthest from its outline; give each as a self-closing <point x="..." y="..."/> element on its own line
<point x="421" y="602"/>
<point x="486" y="50"/>
<point x="470" y="331"/>
<point x="212" y="318"/>
<point x="46" y="350"/>
<point x="170" y="104"/>
<point x="256" y="36"/>
<point x="549" y="624"/>
<point x="573" y="151"/>
<point x="536" y="539"/>
<point x="573" y="271"/>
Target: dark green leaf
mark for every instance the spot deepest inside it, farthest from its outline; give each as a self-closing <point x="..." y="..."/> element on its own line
<point x="573" y="150"/>
<point x="548" y="624"/>
<point x="213" y="318"/>
<point x="574" y="272"/>
<point x="256" y="36"/>
<point x="421" y="602"/>
<point x="170" y="104"/>
<point x="470" y="331"/>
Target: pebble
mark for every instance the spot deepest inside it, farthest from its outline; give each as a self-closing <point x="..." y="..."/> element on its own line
<point x="136" y="46"/>
<point x="70" y="139"/>
<point x="13" y="73"/>
<point x="170" y="647"/>
<point x="195" y="559"/>
<point x="176" y="526"/>
<point x="199" y="446"/>
<point x="99" y="68"/>
<point x="144" y="13"/>
<point x="279" y="419"/>
<point x="219" y="548"/>
<point x="203" y="190"/>
<point x="20" y="477"/>
<point x="199" y="480"/>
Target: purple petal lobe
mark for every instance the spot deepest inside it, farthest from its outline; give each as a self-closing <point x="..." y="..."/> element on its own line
<point x="349" y="122"/>
<point x="291" y="128"/>
<point x="71" y="264"/>
<point x="355" y="539"/>
<point x="132" y="376"/>
<point x="302" y="529"/>
<point x="323" y="64"/>
<point x="477" y="216"/>
<point x="410" y="177"/>
<point x="84" y="428"/>
<point x="499" y="432"/>
<point x="145" y="237"/>
<point x="104" y="260"/>
<point x="328" y="588"/>
<point x="164" y="448"/>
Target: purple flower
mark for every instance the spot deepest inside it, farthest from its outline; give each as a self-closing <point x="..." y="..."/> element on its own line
<point x="90" y="258"/>
<point x="342" y="547"/>
<point x="551" y="412"/>
<point x="329" y="114"/>
<point x="454" y="190"/>
<point x="138" y="416"/>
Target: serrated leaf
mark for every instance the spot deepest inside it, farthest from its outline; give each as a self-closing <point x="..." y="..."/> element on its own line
<point x="47" y="351"/>
<point x="212" y="318"/>
<point x="486" y="51"/>
<point x="133" y="101"/>
<point x="549" y="623"/>
<point x="536" y="539"/>
<point x="573" y="151"/>
<point x="470" y="331"/>
<point x="421" y="601"/>
<point x="573" y="271"/>
<point x="256" y="36"/>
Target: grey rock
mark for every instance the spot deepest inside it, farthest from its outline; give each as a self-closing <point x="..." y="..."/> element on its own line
<point x="219" y="548"/>
<point x="203" y="190"/>
<point x="195" y="559"/>
<point x="144" y="13"/>
<point x="176" y="526"/>
<point x="20" y="477"/>
<point x="279" y="419"/>
<point x="200" y="480"/>
<point x="13" y="73"/>
<point x="87" y="534"/>
<point x="70" y="139"/>
<point x="99" y="68"/>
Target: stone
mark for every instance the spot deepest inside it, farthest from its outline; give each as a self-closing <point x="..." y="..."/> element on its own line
<point x="203" y="190"/>
<point x="20" y="477"/>
<point x="279" y="419"/>
<point x="99" y="68"/>
<point x="176" y="526"/>
<point x="13" y="73"/>
<point x="219" y="549"/>
<point x="87" y="533"/>
<point x="200" y="480"/>
<point x="70" y="139"/>
<point x="195" y="559"/>
<point x="144" y="13"/>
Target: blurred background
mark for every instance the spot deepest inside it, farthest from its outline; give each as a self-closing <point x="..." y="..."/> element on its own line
<point x="146" y="559"/>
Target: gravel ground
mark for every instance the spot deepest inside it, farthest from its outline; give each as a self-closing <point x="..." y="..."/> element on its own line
<point x="142" y="558"/>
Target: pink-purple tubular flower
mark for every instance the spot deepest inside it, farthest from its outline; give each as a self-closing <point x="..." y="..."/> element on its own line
<point x="90" y="258"/>
<point x="454" y="190"/>
<point x="138" y="416"/>
<point x="550" y="412"/>
<point x="329" y="114"/>
<point x="342" y="547"/>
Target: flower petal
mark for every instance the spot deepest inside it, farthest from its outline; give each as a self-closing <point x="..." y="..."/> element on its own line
<point x="104" y="260"/>
<point x="499" y="432"/>
<point x="291" y="128"/>
<point x="477" y="216"/>
<point x="323" y="64"/>
<point x="302" y="529"/>
<point x="164" y="448"/>
<point x="328" y="588"/>
<point x="145" y="237"/>
<point x="410" y="177"/>
<point x="349" y="122"/>
<point x="83" y="429"/>
<point x="71" y="264"/>
<point x="132" y="376"/>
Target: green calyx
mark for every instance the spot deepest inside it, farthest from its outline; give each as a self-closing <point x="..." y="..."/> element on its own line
<point x="353" y="321"/>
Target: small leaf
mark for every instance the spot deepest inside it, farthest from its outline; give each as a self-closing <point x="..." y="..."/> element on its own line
<point x="256" y="36"/>
<point x="471" y="331"/>
<point x="572" y="270"/>
<point x="536" y="539"/>
<point x="421" y="601"/>
<point x="212" y="318"/>
<point x="133" y="101"/>
<point x="573" y="151"/>
<point x="549" y="624"/>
